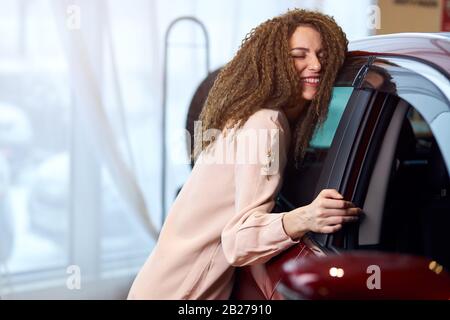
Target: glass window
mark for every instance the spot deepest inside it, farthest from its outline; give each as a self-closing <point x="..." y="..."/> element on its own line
<point x="35" y="131"/>
<point x="324" y="135"/>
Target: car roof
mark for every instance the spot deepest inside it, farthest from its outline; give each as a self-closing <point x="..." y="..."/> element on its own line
<point x="433" y="48"/>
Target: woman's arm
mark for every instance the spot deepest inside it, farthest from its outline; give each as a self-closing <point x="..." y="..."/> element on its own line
<point x="253" y="235"/>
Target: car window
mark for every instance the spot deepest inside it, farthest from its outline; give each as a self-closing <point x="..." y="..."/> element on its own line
<point x="324" y="135"/>
<point x="416" y="212"/>
<point x="300" y="183"/>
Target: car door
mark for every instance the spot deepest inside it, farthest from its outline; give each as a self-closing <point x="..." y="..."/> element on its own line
<point x="403" y="183"/>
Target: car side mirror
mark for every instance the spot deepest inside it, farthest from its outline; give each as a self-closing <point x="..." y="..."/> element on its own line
<point x="364" y="275"/>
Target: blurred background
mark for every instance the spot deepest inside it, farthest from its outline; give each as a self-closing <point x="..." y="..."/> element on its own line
<point x="83" y="84"/>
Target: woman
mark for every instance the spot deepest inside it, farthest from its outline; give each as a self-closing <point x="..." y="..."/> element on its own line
<point x="277" y="88"/>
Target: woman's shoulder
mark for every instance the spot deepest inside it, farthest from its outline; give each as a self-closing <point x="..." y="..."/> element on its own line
<point x="268" y="118"/>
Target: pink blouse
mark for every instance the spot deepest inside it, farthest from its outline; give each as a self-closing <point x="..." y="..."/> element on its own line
<point x="221" y="218"/>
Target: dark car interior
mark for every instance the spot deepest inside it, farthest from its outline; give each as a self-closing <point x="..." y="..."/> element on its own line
<point x="407" y="204"/>
<point x="294" y="193"/>
<point x="417" y="209"/>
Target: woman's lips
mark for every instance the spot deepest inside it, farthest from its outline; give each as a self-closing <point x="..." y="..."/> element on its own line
<point x="310" y="81"/>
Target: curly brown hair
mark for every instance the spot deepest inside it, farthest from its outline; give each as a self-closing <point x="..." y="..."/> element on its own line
<point x="262" y="75"/>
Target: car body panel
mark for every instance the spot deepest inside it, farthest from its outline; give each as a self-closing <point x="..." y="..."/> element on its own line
<point x="365" y="275"/>
<point x="431" y="48"/>
<point x="246" y="288"/>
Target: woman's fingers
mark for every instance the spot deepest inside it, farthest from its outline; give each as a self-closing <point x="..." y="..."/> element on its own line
<point x="341" y="212"/>
<point x="334" y="224"/>
<point x="330" y="193"/>
<point x="335" y="204"/>
<point x="331" y="229"/>
<point x="328" y="212"/>
<point x="339" y="220"/>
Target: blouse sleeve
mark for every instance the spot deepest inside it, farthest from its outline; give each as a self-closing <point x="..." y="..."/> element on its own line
<point x="254" y="235"/>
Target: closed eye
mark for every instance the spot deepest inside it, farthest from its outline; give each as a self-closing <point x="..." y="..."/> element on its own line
<point x="298" y="57"/>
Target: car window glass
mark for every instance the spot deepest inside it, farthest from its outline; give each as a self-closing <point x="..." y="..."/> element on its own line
<point x="324" y="135"/>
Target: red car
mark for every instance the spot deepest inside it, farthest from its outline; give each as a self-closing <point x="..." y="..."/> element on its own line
<point x="386" y="147"/>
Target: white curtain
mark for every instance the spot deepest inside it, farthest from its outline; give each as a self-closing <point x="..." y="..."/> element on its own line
<point x="88" y="90"/>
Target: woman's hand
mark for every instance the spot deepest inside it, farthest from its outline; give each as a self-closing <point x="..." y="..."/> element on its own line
<point x="325" y="214"/>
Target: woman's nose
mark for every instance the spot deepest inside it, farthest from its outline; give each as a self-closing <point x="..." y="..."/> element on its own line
<point x="314" y="64"/>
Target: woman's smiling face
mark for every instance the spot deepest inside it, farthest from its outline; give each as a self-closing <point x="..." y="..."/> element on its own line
<point x="306" y="50"/>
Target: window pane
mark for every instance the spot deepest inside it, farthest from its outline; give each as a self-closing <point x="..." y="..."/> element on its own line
<point x="34" y="140"/>
<point x="324" y="136"/>
<point x="34" y="165"/>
